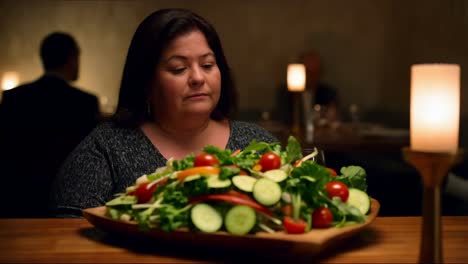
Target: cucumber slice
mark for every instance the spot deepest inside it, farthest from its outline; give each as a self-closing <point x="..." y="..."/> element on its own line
<point x="359" y="199"/>
<point x="192" y="177"/>
<point x="113" y="213"/>
<point x="244" y="183"/>
<point x="215" y="182"/>
<point x="206" y="218"/>
<point x="276" y="175"/>
<point x="267" y="192"/>
<point x="122" y="200"/>
<point x="240" y="219"/>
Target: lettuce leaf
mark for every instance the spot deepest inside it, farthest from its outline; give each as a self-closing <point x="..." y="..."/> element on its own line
<point x="353" y="177"/>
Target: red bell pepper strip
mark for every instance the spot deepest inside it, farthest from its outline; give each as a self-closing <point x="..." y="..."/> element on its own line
<point x="235" y="199"/>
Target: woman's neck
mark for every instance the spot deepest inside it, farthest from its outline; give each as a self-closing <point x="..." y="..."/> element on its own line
<point x="185" y="130"/>
<point x="179" y="134"/>
<point x="179" y="140"/>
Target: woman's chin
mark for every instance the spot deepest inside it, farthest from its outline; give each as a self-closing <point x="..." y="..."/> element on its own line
<point x="199" y="110"/>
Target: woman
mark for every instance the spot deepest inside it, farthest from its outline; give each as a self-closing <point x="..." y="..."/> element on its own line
<point x="175" y="98"/>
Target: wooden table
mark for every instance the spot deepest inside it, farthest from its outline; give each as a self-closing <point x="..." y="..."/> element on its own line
<point x="386" y="240"/>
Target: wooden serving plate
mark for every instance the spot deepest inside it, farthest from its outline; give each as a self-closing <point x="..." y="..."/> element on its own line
<point x="312" y="242"/>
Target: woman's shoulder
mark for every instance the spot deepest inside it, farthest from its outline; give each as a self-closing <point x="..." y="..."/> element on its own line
<point x="244" y="125"/>
<point x="108" y="133"/>
<point x="242" y="133"/>
<point x="240" y="128"/>
<point x="108" y="129"/>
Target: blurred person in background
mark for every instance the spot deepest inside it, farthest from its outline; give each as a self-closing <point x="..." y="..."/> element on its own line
<point x="176" y="97"/>
<point x="42" y="122"/>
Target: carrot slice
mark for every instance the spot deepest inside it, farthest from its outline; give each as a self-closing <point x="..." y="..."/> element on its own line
<point x="204" y="170"/>
<point x="257" y="167"/>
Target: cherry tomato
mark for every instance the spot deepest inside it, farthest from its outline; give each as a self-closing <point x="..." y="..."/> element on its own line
<point x="144" y="193"/>
<point x="205" y="159"/>
<point x="322" y="217"/>
<point x="269" y="161"/>
<point x="294" y="227"/>
<point x="337" y="188"/>
<point x="332" y="172"/>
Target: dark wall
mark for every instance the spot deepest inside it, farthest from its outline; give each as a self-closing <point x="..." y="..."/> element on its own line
<point x="367" y="47"/>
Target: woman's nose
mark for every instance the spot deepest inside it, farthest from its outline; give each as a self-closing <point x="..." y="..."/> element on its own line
<point x="196" y="77"/>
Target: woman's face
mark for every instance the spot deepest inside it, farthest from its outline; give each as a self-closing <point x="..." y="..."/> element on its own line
<point x="188" y="80"/>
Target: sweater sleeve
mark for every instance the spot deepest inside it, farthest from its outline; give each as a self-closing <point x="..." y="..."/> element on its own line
<point x="84" y="180"/>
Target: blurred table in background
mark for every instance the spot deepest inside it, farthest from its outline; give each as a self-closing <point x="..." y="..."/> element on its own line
<point x="363" y="138"/>
<point x="345" y="137"/>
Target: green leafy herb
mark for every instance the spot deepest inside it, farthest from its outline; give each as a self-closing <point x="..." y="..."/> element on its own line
<point x="345" y="210"/>
<point x="257" y="147"/>
<point x="196" y="187"/>
<point x="183" y="164"/>
<point x="293" y="150"/>
<point x="224" y="156"/>
<point x="353" y="177"/>
<point x="246" y="160"/>
<point x="172" y="218"/>
<point x="228" y="172"/>
<point x="176" y="197"/>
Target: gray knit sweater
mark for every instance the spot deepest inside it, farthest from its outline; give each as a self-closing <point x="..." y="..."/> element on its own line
<point x="111" y="158"/>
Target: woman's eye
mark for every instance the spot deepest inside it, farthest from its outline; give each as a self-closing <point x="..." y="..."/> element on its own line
<point x="208" y="66"/>
<point x="177" y="71"/>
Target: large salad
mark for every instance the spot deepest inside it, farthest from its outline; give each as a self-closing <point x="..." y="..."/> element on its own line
<point x="262" y="188"/>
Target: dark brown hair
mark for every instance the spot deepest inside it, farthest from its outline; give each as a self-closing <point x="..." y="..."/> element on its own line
<point x="56" y="49"/>
<point x="152" y="36"/>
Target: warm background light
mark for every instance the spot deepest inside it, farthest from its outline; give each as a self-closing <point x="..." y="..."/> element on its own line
<point x="296" y="77"/>
<point x="10" y="80"/>
<point x="435" y="107"/>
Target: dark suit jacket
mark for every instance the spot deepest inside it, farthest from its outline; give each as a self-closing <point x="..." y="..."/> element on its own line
<point x="41" y="122"/>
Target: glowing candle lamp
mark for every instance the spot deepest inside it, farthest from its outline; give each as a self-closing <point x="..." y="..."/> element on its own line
<point x="296" y="77"/>
<point x="435" y="107"/>
<point x="10" y="80"/>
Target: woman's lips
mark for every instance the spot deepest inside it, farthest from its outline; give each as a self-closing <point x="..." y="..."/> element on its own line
<point x="197" y="96"/>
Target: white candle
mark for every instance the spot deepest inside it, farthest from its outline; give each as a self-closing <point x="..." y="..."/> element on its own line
<point x="296" y="77"/>
<point x="435" y="107"/>
<point x="10" y="80"/>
